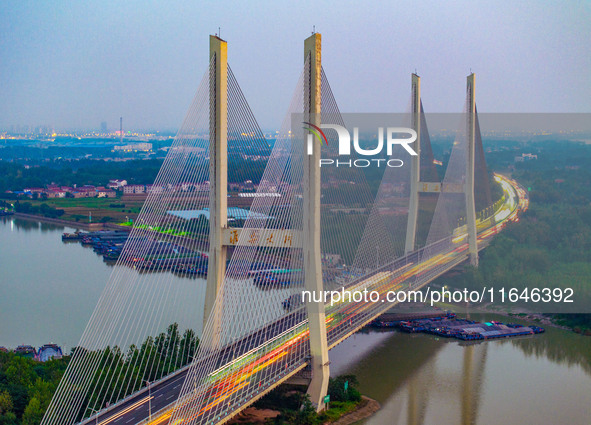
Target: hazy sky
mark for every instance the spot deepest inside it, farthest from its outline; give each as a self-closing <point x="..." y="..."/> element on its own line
<point x="73" y="64"/>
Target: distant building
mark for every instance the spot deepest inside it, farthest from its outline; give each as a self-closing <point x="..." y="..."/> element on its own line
<point x="48" y="352"/>
<point x="34" y="190"/>
<point x="27" y="351"/>
<point x="117" y="184"/>
<point x="188" y="187"/>
<point x="134" y="189"/>
<point x="233" y="214"/>
<point x="248" y="185"/>
<point x="154" y="188"/>
<point x="134" y="147"/>
<point x="56" y="193"/>
<point x="331" y="259"/>
<point x="106" y="193"/>
<point x="77" y="194"/>
<point x="104" y="127"/>
<point x="259" y="195"/>
<point x="84" y="192"/>
<point x="526" y="157"/>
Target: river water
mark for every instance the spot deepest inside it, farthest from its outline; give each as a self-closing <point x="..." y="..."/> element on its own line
<point x="48" y="290"/>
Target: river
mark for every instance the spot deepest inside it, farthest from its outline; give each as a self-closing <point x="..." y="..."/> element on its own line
<point x="48" y="290"/>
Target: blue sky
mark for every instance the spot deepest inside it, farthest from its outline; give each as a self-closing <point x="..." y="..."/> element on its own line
<point x="74" y="64"/>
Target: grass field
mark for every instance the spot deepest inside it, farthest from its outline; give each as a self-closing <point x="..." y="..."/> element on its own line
<point x="78" y="209"/>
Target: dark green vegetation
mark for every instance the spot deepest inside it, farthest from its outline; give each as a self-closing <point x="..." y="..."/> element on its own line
<point x="120" y="374"/>
<point x="15" y="177"/>
<point x="26" y="386"/>
<point x="42" y="209"/>
<point x="78" y="209"/>
<point x="551" y="244"/>
<point x="296" y="408"/>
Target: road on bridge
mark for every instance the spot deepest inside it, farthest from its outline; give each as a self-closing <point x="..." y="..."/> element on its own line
<point x="246" y="357"/>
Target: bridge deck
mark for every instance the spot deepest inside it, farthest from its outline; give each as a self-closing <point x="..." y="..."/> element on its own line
<point x="343" y="320"/>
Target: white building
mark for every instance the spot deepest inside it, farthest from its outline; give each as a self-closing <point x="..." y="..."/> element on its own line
<point x="134" y="147"/>
<point x="134" y="188"/>
<point x="154" y="188"/>
<point x="526" y="157"/>
<point x="117" y="184"/>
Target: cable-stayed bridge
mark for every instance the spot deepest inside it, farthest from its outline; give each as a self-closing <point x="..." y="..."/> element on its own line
<point x="306" y="227"/>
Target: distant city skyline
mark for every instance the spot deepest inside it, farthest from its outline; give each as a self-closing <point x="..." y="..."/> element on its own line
<point x="75" y="66"/>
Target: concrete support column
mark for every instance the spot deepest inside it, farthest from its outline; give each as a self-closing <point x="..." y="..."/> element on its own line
<point x="311" y="228"/>
<point x="470" y="160"/>
<point x="218" y="171"/>
<point x="415" y="168"/>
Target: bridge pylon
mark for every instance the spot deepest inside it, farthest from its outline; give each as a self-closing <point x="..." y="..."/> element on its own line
<point x="415" y="167"/>
<point x="417" y="186"/>
<point x="470" y="164"/>
<point x="218" y="172"/>
<point x="311" y="227"/>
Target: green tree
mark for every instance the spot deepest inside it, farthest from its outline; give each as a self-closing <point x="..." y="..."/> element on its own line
<point x="19" y="371"/>
<point x="336" y="388"/>
<point x="42" y="391"/>
<point x="188" y="346"/>
<point x="8" y="419"/>
<point x="5" y="403"/>
<point x="33" y="413"/>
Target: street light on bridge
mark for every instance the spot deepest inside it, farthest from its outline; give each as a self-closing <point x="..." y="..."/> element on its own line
<point x="149" y="399"/>
<point x="96" y="413"/>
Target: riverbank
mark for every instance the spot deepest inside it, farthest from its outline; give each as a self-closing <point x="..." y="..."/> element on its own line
<point x="290" y="404"/>
<point x="522" y="314"/>
<point x="74" y="224"/>
<point x="366" y="408"/>
<point x="531" y="317"/>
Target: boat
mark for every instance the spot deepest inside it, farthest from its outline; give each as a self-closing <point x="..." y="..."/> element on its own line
<point x="76" y="236"/>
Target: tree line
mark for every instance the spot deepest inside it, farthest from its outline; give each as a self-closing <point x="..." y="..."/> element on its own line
<point x="27" y="386"/>
<point x="550" y="246"/>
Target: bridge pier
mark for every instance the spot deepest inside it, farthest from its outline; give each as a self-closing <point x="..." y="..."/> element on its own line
<point x="311" y="228"/>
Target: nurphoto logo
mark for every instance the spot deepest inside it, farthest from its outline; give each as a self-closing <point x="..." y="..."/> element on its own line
<point x="392" y="138"/>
